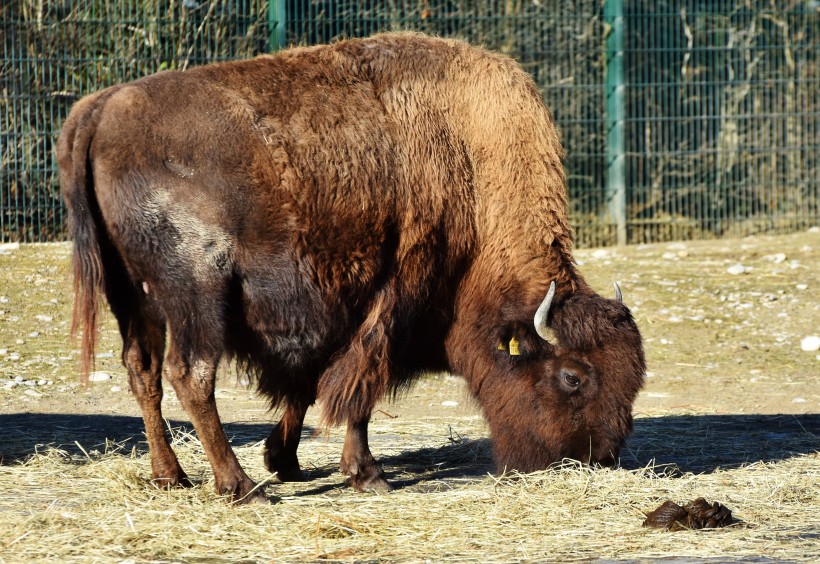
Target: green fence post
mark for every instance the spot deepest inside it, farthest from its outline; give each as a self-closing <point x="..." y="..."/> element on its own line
<point x="615" y="158"/>
<point x="276" y="24"/>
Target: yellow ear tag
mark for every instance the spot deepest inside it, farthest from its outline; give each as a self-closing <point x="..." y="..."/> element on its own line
<point x="501" y="347"/>
<point x="514" y="347"/>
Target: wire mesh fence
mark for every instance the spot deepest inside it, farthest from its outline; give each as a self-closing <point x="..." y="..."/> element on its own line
<point x="717" y="107"/>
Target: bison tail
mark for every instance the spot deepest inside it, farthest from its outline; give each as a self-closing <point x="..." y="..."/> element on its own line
<point x="77" y="187"/>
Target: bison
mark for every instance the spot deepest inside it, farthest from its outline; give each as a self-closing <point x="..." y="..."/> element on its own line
<point x="338" y="220"/>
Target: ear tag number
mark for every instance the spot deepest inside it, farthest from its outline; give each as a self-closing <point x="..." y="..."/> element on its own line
<point x="514" y="347"/>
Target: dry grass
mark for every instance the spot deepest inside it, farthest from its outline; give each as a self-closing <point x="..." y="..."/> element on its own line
<point x="101" y="508"/>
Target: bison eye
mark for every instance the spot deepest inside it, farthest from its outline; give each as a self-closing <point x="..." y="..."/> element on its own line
<point x="569" y="380"/>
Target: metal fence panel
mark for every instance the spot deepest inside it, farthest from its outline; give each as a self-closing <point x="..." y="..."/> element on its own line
<point x="723" y="112"/>
<point x="720" y="110"/>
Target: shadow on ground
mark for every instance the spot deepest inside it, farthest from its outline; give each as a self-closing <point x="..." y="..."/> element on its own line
<point x="704" y="443"/>
<point x="688" y="443"/>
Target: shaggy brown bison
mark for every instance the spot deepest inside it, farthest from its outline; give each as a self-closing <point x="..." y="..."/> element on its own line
<point x="339" y="219"/>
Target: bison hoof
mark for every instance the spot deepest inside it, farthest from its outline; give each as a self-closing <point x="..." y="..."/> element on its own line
<point x="176" y="480"/>
<point x="293" y="474"/>
<point x="372" y="480"/>
<point x="242" y="492"/>
<point x="373" y="485"/>
<point x="285" y="467"/>
<point x="256" y="496"/>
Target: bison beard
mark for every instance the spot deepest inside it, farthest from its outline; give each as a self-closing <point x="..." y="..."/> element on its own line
<point x="339" y="219"/>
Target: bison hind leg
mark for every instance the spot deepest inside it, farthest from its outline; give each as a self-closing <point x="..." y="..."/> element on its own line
<point x="142" y="327"/>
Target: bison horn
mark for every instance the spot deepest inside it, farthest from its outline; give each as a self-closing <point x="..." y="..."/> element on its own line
<point x="618" y="295"/>
<point x="541" y="314"/>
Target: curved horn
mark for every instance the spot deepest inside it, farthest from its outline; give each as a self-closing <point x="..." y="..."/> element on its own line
<point x="618" y="295"/>
<point x="540" y="319"/>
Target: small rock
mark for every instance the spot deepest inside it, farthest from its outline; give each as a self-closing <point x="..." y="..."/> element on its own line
<point x="776" y="258"/>
<point x="449" y="403"/>
<point x="810" y="343"/>
<point x="3" y="352"/>
<point x="19" y="379"/>
<point x="33" y="393"/>
<point x="4" y="300"/>
<point x="13" y="357"/>
<point x="20" y="342"/>
<point x="6" y="247"/>
<point x="736" y="269"/>
<point x="44" y="318"/>
<point x="799" y="400"/>
<point x="42" y="382"/>
<point x="34" y="334"/>
<point x="802" y="286"/>
<point x="99" y="376"/>
<point x="106" y="355"/>
<point x="116" y="389"/>
<point x="669" y="256"/>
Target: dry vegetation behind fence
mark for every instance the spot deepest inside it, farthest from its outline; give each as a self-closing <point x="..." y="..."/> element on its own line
<point x="721" y="102"/>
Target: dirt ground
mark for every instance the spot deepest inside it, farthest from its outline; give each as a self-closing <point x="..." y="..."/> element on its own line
<point x="716" y="342"/>
<point x="730" y="408"/>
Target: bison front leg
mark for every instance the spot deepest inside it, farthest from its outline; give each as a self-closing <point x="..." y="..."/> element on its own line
<point x="364" y="473"/>
<point x="280" y="448"/>
<point x="351" y="386"/>
<point x="194" y="379"/>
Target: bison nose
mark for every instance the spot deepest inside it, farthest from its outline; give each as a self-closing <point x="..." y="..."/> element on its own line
<point x="607" y="461"/>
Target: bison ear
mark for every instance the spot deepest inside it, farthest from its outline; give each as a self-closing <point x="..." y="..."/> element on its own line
<point x="518" y="341"/>
<point x="512" y="346"/>
<point x="515" y="340"/>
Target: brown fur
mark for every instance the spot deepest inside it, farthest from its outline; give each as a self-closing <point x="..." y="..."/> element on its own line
<point x="339" y="219"/>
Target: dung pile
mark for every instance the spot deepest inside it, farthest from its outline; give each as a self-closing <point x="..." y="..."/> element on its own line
<point x="698" y="514"/>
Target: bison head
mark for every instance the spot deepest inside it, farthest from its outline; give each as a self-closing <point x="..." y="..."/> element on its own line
<point x="563" y="386"/>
